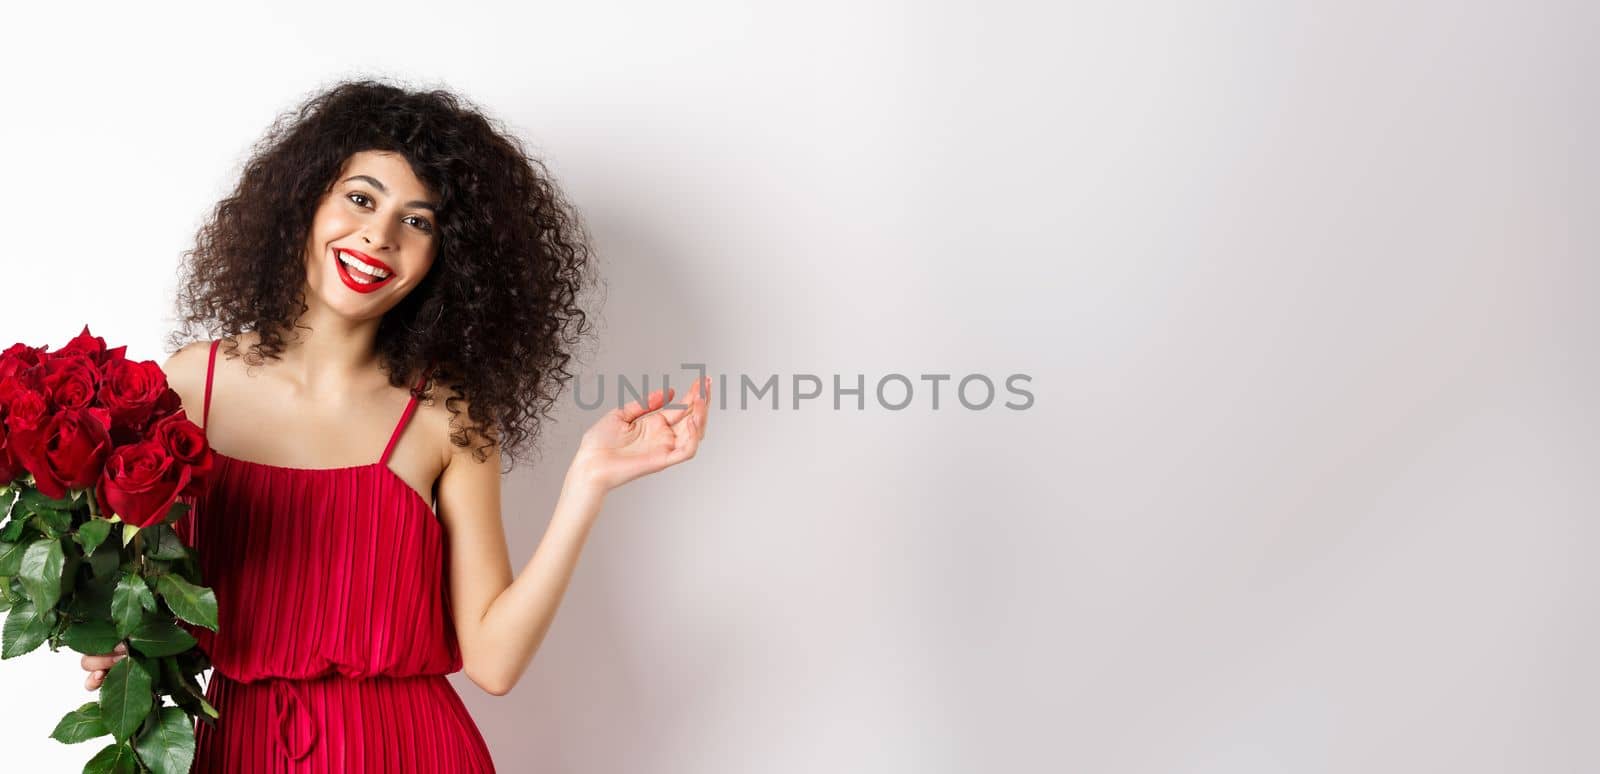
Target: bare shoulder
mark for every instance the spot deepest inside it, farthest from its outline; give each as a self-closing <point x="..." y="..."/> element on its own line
<point x="181" y="365"/>
<point x="469" y="488"/>
<point x="442" y="424"/>
<point x="186" y="375"/>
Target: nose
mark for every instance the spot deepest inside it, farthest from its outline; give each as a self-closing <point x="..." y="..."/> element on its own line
<point x="379" y="236"/>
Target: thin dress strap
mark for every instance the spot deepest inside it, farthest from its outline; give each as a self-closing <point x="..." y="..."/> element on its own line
<point x="211" y="365"/>
<point x="411" y="406"/>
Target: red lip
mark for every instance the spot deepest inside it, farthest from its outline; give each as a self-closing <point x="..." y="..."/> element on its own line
<point x="350" y="282"/>
<point x="369" y="259"/>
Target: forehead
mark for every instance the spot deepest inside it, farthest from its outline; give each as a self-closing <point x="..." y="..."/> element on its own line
<point x="391" y="169"/>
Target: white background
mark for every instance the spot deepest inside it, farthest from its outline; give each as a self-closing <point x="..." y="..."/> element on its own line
<point x="1305" y="291"/>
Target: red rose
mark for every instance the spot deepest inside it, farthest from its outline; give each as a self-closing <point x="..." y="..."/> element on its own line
<point x="26" y="412"/>
<point x="11" y="468"/>
<point x="185" y="442"/>
<point x="140" y="483"/>
<point x="17" y="358"/>
<point x="85" y="344"/>
<point x="129" y="389"/>
<point x="71" y="381"/>
<point x="21" y="377"/>
<point x="169" y="402"/>
<point x="21" y="412"/>
<point x="67" y="451"/>
<point x="9" y="389"/>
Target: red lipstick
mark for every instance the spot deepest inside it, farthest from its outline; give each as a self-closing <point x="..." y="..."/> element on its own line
<point x="345" y="272"/>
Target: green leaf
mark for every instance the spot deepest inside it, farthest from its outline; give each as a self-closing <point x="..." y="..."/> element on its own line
<point x="161" y="542"/>
<point x="178" y="510"/>
<point x="129" y="602"/>
<point x="25" y="629"/>
<point x="168" y="747"/>
<point x="69" y="571"/>
<point x="197" y="707"/>
<point x="106" y="561"/>
<point x="92" y="533"/>
<point x="41" y="572"/>
<point x="11" y="557"/>
<point x="13" y="530"/>
<point x="54" y="524"/>
<point x="80" y="725"/>
<point x="152" y="667"/>
<point x="195" y="604"/>
<point x="117" y="758"/>
<point x="92" y="638"/>
<point x="36" y="501"/>
<point x="160" y="637"/>
<point x="125" y="698"/>
<point x="91" y="597"/>
<point x="184" y="689"/>
<point x="194" y="662"/>
<point x="128" y="531"/>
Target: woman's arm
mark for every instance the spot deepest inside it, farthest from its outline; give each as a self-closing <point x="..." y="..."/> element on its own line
<point x="500" y="622"/>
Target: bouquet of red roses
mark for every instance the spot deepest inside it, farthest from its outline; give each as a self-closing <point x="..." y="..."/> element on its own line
<point x="97" y="464"/>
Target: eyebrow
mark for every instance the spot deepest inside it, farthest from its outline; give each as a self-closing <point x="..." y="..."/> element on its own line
<point x="378" y="185"/>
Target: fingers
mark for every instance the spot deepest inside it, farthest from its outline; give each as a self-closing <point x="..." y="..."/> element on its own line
<point x="696" y="397"/>
<point x="635" y="409"/>
<point x="91" y="663"/>
<point x="689" y="440"/>
<point x="98" y="665"/>
<point x="699" y="408"/>
<point x="105" y="660"/>
<point x="688" y="431"/>
<point x="705" y="410"/>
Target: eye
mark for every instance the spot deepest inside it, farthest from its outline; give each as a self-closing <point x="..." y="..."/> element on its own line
<point x="361" y="199"/>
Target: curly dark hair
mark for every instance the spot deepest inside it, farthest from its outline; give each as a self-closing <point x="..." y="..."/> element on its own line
<point x="497" y="317"/>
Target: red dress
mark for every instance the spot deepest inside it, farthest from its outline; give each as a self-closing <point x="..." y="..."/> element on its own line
<point x="334" y="633"/>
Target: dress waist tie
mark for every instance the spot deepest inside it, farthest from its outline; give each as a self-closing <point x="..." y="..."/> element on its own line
<point x="287" y="708"/>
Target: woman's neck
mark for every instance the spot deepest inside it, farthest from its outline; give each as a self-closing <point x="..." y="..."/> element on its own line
<point x="333" y="357"/>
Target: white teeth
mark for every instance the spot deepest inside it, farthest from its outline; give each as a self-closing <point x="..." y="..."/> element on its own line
<point x="359" y="266"/>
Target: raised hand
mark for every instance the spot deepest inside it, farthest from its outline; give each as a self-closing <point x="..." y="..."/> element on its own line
<point x="637" y="440"/>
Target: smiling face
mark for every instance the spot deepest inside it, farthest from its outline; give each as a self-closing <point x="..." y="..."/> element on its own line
<point x="373" y="237"/>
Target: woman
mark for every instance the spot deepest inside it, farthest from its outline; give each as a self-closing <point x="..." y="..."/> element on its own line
<point x="395" y="274"/>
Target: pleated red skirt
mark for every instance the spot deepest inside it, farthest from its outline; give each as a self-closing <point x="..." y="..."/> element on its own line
<point x="335" y="723"/>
